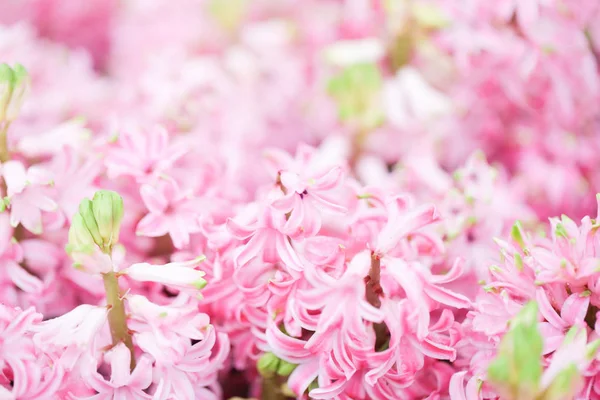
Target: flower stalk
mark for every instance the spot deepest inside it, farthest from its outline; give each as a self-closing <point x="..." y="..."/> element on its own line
<point x="117" y="318"/>
<point x="373" y="292"/>
<point x="4" y="154"/>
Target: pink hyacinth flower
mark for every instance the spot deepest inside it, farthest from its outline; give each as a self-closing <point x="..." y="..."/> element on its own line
<point x="143" y="154"/>
<point x="28" y="194"/>
<point x="178" y="275"/>
<point x="30" y="371"/>
<point x="123" y="384"/>
<point x="172" y="211"/>
<point x="306" y="184"/>
<point x="402" y="220"/>
<point x="263" y="227"/>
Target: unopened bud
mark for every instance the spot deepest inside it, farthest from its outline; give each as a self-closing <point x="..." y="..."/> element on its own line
<point x="268" y="365"/>
<point x="108" y="212"/>
<point x="285" y="368"/>
<point x="14" y="85"/>
<point x="97" y="222"/>
<point x="517" y="367"/>
<point x="80" y="239"/>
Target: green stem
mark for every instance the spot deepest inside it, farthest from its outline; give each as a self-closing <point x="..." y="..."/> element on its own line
<point x="4" y="154"/>
<point x="117" y="319"/>
<point x="271" y="389"/>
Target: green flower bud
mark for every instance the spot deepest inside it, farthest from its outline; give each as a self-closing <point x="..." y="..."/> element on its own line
<point x="356" y="90"/>
<point x="6" y="85"/>
<point x="517" y="367"/>
<point x="97" y="223"/>
<point x="313" y="385"/>
<point x="285" y="368"/>
<point x="86" y="211"/>
<point x="429" y="16"/>
<point x="564" y="385"/>
<point x="561" y="231"/>
<point x="14" y="84"/>
<point x="517" y="234"/>
<point x="108" y="212"/>
<point x="228" y="13"/>
<point x="20" y="87"/>
<point x="268" y="365"/>
<point x="80" y="239"/>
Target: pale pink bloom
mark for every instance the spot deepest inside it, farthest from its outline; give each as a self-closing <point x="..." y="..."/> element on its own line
<point x="32" y="374"/>
<point x="93" y="263"/>
<point x="306" y="184"/>
<point x="172" y="211"/>
<point x="262" y="226"/>
<point x="73" y="179"/>
<point x="458" y="390"/>
<point x="123" y="384"/>
<point x="52" y="141"/>
<point x="27" y="191"/>
<point x="182" y="318"/>
<point x="572" y="313"/>
<point x="408" y="97"/>
<point x="187" y="366"/>
<point x="144" y="154"/>
<point x="178" y="275"/>
<point x="14" y="278"/>
<point x="403" y="219"/>
<point x="494" y="312"/>
<point x="516" y="275"/>
<point x="571" y="352"/>
<point x="572" y="255"/>
<point x="72" y="335"/>
<point x="424" y="291"/>
<point x="332" y="297"/>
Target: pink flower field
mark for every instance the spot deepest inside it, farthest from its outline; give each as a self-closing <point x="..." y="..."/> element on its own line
<point x="285" y="199"/>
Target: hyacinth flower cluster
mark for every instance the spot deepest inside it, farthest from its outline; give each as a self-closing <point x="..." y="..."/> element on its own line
<point x="126" y="346"/>
<point x="350" y="199"/>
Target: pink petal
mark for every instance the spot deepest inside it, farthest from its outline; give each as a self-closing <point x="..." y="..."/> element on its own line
<point x="291" y="181"/>
<point x="154" y="200"/>
<point x="251" y="250"/>
<point x="286" y="347"/>
<point x="119" y="358"/>
<point x="457" y="386"/>
<point x="23" y="279"/>
<point x="239" y="231"/>
<point x="287" y="253"/>
<point x="330" y="391"/>
<point x="547" y="310"/>
<point x="575" y="309"/>
<point x="153" y="225"/>
<point x="286" y="203"/>
<point x="327" y="205"/>
<point x="329" y="181"/>
<point x="447" y="297"/>
<point x="179" y="233"/>
<point x="277" y="160"/>
<point x="303" y="376"/>
<point x="437" y="350"/>
<point x="15" y="177"/>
